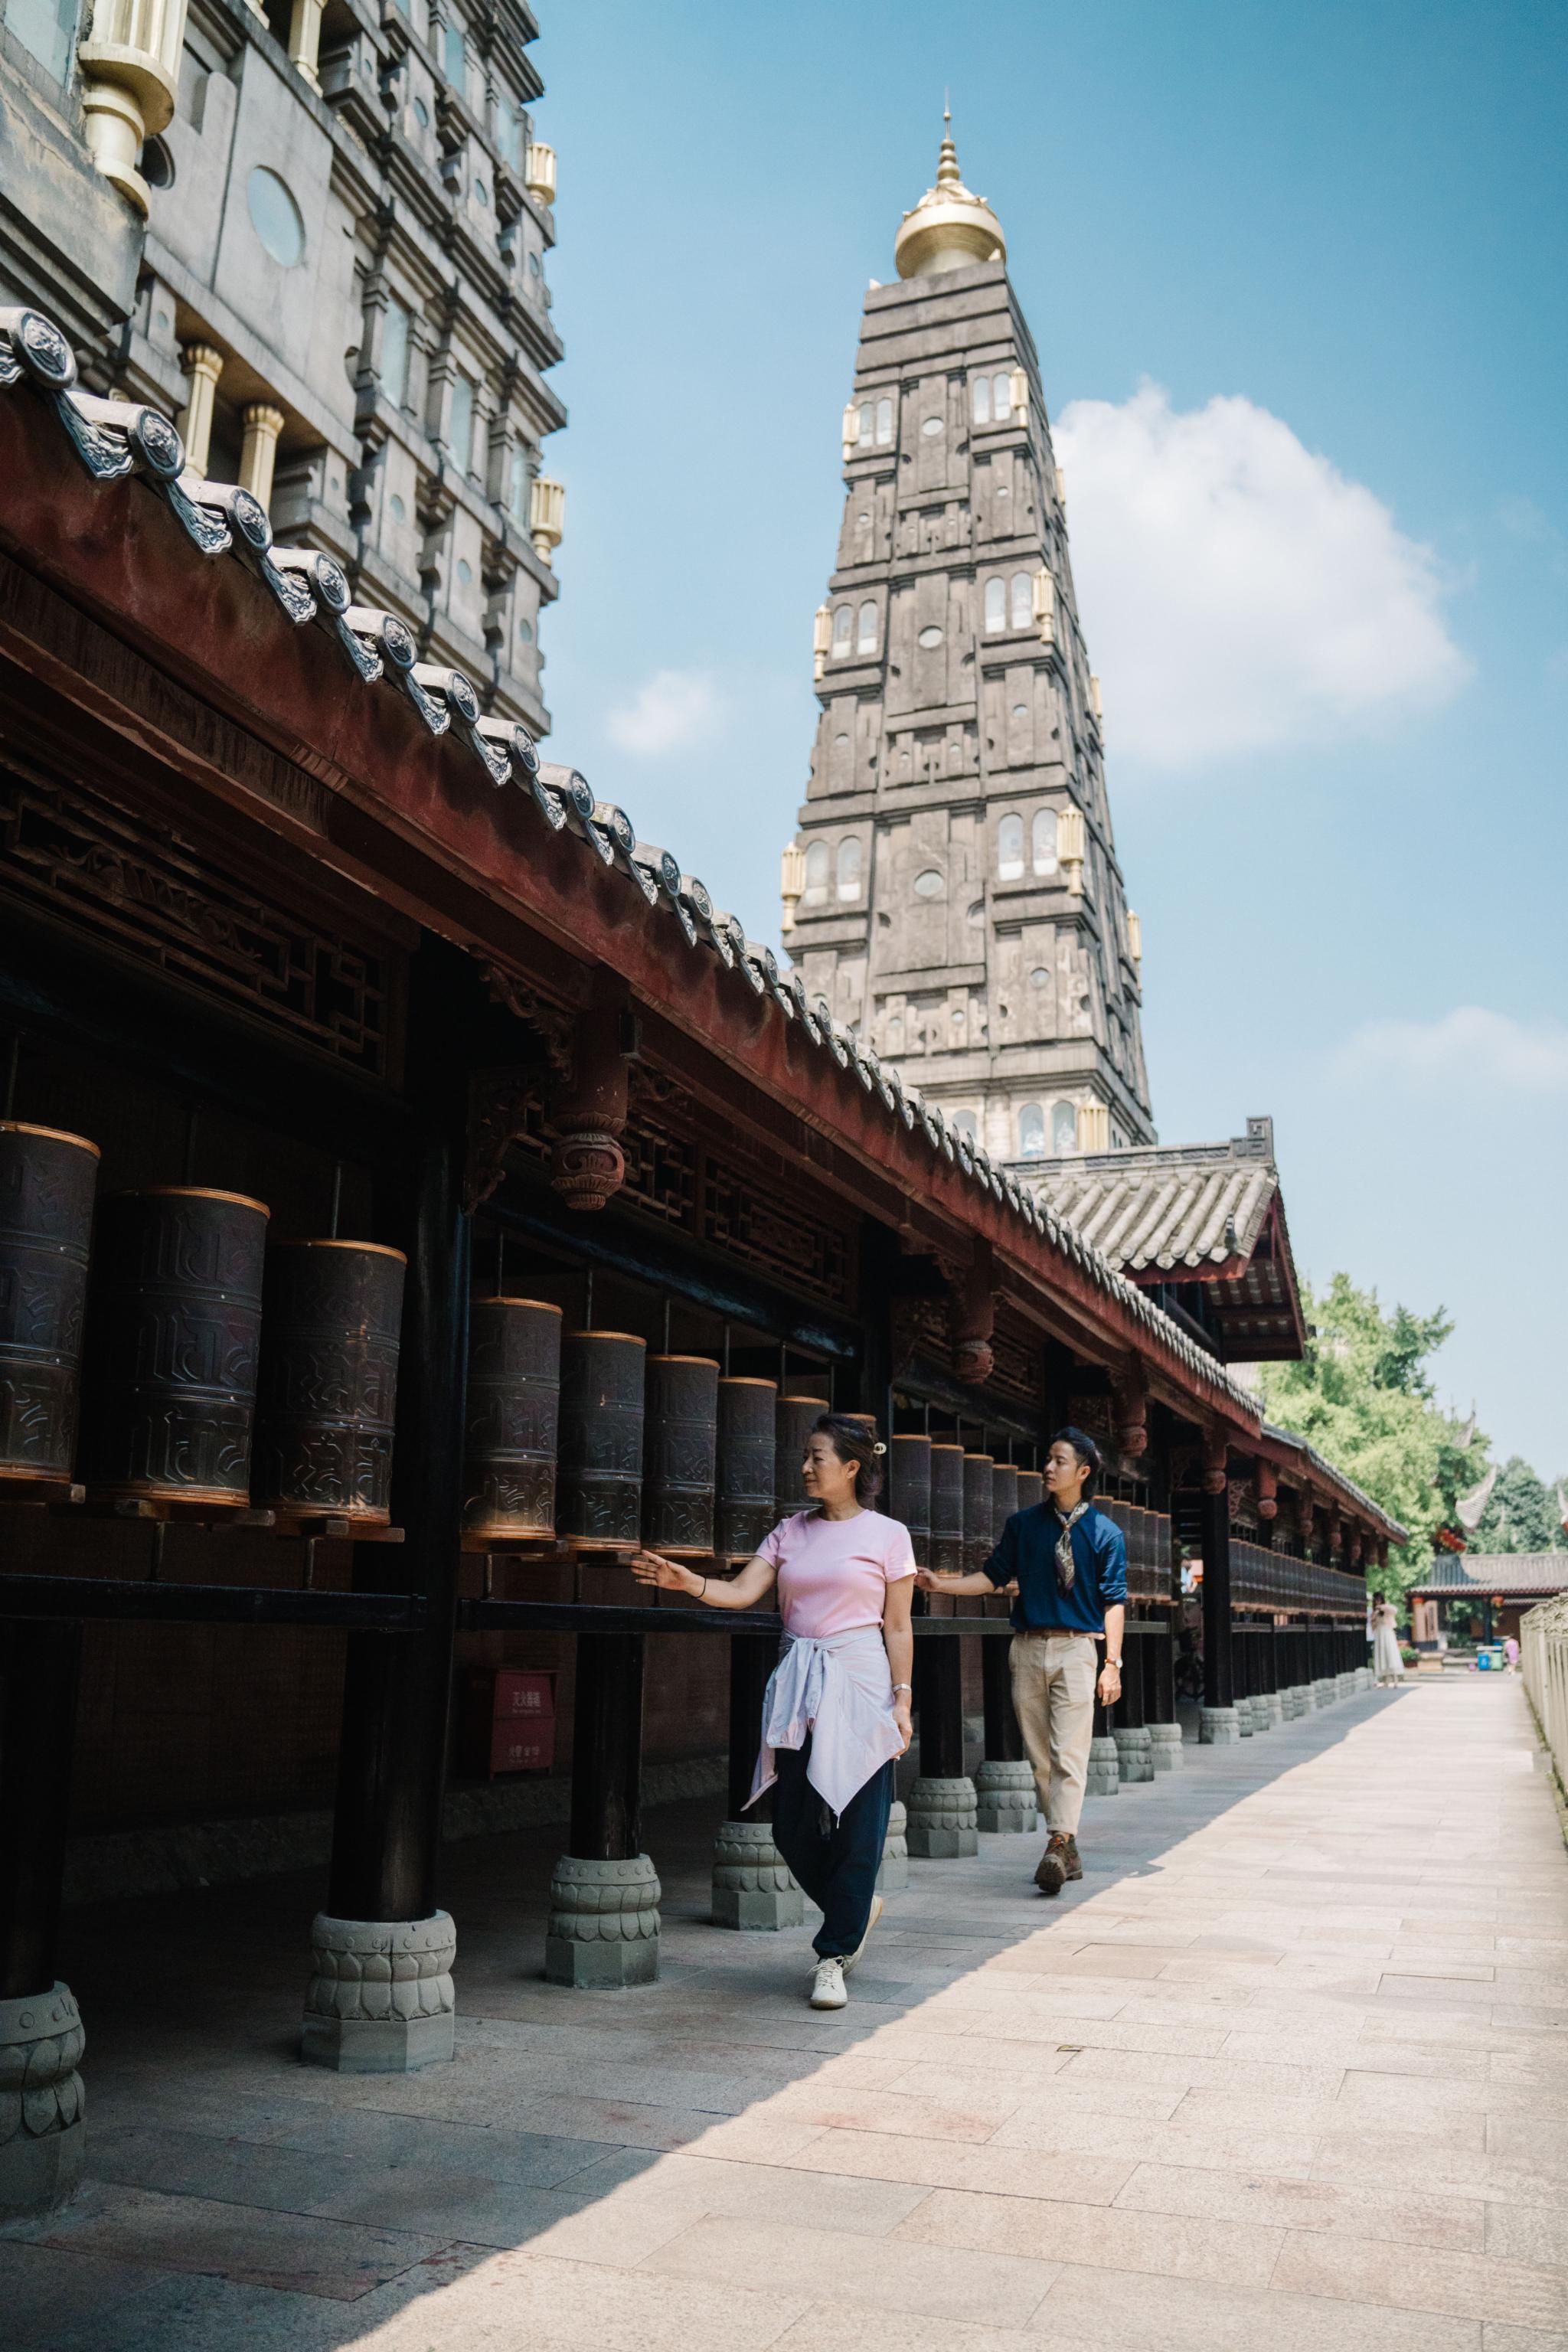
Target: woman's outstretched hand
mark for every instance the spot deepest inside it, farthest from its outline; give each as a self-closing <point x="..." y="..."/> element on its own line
<point x="929" y="1581"/>
<point x="652" y="1568"/>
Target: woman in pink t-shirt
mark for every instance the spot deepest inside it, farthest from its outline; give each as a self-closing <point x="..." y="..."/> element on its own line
<point x="837" y="1711"/>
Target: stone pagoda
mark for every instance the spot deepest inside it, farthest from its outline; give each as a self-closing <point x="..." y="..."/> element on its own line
<point x="953" y="891"/>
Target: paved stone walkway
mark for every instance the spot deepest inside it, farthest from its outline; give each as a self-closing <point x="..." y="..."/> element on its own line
<point x="1288" y="2071"/>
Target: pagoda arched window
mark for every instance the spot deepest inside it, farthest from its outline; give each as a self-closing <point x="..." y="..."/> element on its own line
<point x="842" y="630"/>
<point x="865" y="642"/>
<point x="995" y="607"/>
<point x="980" y="392"/>
<point x="1044" y="842"/>
<point x="1064" y="1130"/>
<point x="884" y="423"/>
<point x="1010" y="849"/>
<point x="1023" y="600"/>
<point x="1031" y="1132"/>
<point x="850" y="868"/>
<point x="818" y="864"/>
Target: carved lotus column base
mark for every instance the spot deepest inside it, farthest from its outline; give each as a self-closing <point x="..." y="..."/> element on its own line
<point x="1271" y="1715"/>
<point x="41" y="2102"/>
<point x="751" y="1883"/>
<point x="893" y="1877"/>
<point x="380" y="1998"/>
<point x="1134" y="1758"/>
<point x="1345" y="1684"/>
<point x="1104" y="1768"/>
<point x="1165" y="1746"/>
<point x="602" y="1932"/>
<point x="943" y="1823"/>
<point x="1218" y="1726"/>
<point x="1006" y="1801"/>
<point x="1323" y="1692"/>
<point x="1364" y="1678"/>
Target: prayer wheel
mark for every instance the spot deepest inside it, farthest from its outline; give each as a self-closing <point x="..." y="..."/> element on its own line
<point x="1003" y="1496"/>
<point x="332" y="1312"/>
<point x="977" y="1469"/>
<point x="743" y="1482"/>
<point x="1031" y="1488"/>
<point x="795" y="1419"/>
<point x="682" y="1444"/>
<point x="513" y="1419"/>
<point x="908" y="1491"/>
<point x="602" y="1378"/>
<point x="947" y="1510"/>
<point x="47" y="1183"/>
<point x="176" y="1333"/>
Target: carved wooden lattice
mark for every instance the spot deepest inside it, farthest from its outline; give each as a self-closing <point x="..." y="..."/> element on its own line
<point x="141" y="890"/>
<point x="745" y="1216"/>
<point x="1016" y="1368"/>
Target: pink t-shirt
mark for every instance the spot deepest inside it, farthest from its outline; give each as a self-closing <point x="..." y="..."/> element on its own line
<point x="834" y="1573"/>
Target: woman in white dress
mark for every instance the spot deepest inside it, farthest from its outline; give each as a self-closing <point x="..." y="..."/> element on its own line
<point x="1386" y="1663"/>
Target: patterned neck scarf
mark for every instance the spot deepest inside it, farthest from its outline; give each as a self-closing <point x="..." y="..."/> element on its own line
<point x="1067" y="1567"/>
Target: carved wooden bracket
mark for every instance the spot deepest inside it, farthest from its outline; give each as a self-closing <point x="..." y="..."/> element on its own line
<point x="586" y="1114"/>
<point x="1130" y="1394"/>
<point x="551" y="1022"/>
<point x="1216" y="1449"/>
<point x="973" y="1318"/>
<point x="1267" y="1491"/>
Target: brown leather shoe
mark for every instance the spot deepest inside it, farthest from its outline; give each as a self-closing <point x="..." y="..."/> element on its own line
<point x="1058" y="1863"/>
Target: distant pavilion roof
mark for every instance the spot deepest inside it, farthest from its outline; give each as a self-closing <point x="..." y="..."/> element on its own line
<point x="1524" y="1575"/>
<point x="1208" y="1213"/>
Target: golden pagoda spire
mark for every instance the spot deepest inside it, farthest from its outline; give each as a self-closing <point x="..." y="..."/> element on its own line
<point x="950" y="227"/>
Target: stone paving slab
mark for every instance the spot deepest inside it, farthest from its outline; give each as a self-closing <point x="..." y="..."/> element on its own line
<point x="1289" y="2068"/>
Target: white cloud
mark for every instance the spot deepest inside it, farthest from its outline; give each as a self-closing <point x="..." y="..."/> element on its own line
<point x="1238" y="591"/>
<point x="675" y="710"/>
<point x="1463" y="1051"/>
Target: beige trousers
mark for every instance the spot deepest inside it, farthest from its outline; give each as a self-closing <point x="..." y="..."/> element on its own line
<point x="1053" y="1698"/>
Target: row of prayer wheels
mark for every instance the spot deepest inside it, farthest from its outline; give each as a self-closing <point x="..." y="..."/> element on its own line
<point x="955" y="1504"/>
<point x="219" y="1370"/>
<point x="589" y="1436"/>
<point x="1149" y="1552"/>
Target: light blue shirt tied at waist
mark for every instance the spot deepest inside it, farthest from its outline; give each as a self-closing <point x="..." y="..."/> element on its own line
<point x="838" y="1687"/>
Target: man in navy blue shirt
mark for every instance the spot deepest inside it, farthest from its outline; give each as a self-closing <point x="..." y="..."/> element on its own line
<point x="1069" y="1565"/>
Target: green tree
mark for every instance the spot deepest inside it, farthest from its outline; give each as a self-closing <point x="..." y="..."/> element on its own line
<point x="1521" y="1515"/>
<point x="1363" y="1395"/>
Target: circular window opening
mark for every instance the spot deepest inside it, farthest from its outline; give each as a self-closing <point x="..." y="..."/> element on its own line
<point x="399" y="511"/>
<point x="421" y="114"/>
<point x="841" y="742"/>
<point x="928" y="883"/>
<point x="931" y="637"/>
<point x="931" y="427"/>
<point x="1039" y="977"/>
<point x="465" y="572"/>
<point x="157" y="164"/>
<point x="525" y="634"/>
<point x="977" y="911"/>
<point x="275" y="217"/>
<point x="482" y="193"/>
<point x="1020" y="710"/>
<point x="534" y="265"/>
<point x="956" y="1017"/>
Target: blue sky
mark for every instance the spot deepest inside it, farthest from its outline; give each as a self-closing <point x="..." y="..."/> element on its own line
<point x="1297" y="277"/>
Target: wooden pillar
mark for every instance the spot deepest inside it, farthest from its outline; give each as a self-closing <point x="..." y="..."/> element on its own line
<point x="1218" y="1723"/>
<point x="1004" y="1740"/>
<point x="392" y="1754"/>
<point x="41" y="2027"/>
<point x="942" y="1803"/>
<point x="603" y="1932"/>
<point x="1005" y="1784"/>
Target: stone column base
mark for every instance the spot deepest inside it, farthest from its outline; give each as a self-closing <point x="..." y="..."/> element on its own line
<point x="893" y="1877"/>
<point x="1134" y="1758"/>
<point x="1323" y="1692"/>
<point x="1005" y="1798"/>
<point x="1165" y="1746"/>
<point x="1244" y="1723"/>
<point x="1270" y="1711"/>
<point x="1345" y="1684"/>
<point x="41" y="2102"/>
<point x="1292" y="1701"/>
<point x="752" y="1885"/>
<point x="603" y="1932"/>
<point x="1364" y="1678"/>
<point x="942" y="1819"/>
<point x="1218" y="1728"/>
<point x="380" y="1998"/>
<point x="1104" y="1768"/>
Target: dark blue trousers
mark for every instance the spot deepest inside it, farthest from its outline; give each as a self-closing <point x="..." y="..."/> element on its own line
<point x="835" y="1862"/>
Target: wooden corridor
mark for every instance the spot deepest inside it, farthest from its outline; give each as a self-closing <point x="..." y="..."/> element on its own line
<point x="1289" y="2069"/>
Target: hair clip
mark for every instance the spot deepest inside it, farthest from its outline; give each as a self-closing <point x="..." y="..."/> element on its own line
<point x="879" y="1448"/>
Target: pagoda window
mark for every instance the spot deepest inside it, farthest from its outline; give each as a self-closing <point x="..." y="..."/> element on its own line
<point x="963" y="1122"/>
<point x="1001" y="399"/>
<point x="1044" y="841"/>
<point x="980" y="395"/>
<point x="395" y="339"/>
<point x="884" y="423"/>
<point x="843" y="630"/>
<point x="865" y="642"/>
<point x="1064" y="1129"/>
<point x="460" y="423"/>
<point x="1032" y="1132"/>
<point x="46" y="30"/>
<point x="850" y="868"/>
<point x="867" y="422"/>
<point x="817" y="865"/>
<point x="1023" y="599"/>
<point x="995" y="607"/>
<point x="1010" y="849"/>
<point x="455" y="56"/>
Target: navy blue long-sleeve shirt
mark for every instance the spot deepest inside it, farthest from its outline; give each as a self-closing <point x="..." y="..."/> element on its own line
<point x="1028" y="1550"/>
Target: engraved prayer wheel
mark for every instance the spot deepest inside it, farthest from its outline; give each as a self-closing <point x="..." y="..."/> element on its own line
<point x="514" y="1419"/>
<point x="793" y="1420"/>
<point x="908" y="1491"/>
<point x="1031" y="1488"/>
<point x="947" y="1510"/>
<point x="176" y="1333"/>
<point x="47" y="1183"/>
<point x="682" y="1447"/>
<point x="1003" y="1496"/>
<point x="743" y="1481"/>
<point x="332" y="1313"/>
<point x="977" y="1469"/>
<point x="602" y="1379"/>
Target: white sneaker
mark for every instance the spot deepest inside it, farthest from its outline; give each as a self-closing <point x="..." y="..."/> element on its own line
<point x="827" y="1985"/>
<point x="851" y="1958"/>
